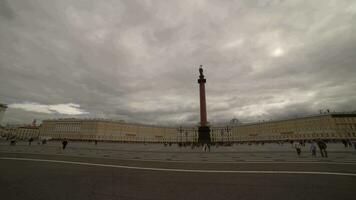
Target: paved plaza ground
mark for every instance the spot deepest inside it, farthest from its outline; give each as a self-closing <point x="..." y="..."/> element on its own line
<point x="234" y="153"/>
<point x="154" y="171"/>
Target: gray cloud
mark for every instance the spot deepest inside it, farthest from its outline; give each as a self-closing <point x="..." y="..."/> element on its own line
<point x="138" y="60"/>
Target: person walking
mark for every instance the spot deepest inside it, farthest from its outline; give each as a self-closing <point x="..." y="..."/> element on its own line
<point x="13" y="142"/>
<point x="344" y="142"/>
<point x="313" y="149"/>
<point x="204" y="147"/>
<point x="297" y="147"/>
<point x="64" y="144"/>
<point x="30" y="141"/>
<point x="322" y="146"/>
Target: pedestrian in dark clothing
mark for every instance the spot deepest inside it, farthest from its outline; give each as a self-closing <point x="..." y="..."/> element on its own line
<point x="30" y="141"/>
<point x="322" y="146"/>
<point x="344" y="142"/>
<point x="13" y="142"/>
<point x="350" y="143"/>
<point x="64" y="143"/>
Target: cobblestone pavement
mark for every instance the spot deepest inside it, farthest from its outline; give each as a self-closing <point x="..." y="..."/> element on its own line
<point x="235" y="153"/>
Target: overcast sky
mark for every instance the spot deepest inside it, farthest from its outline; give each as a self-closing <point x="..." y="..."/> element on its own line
<point x="138" y="60"/>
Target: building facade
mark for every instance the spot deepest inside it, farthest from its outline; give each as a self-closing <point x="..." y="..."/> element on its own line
<point x="22" y="132"/>
<point x="107" y="130"/>
<point x="335" y="126"/>
<point x="331" y="126"/>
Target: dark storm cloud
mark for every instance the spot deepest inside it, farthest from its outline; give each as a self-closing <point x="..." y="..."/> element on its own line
<point x="138" y="60"/>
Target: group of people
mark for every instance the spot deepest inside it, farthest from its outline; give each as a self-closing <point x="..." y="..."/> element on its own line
<point x="349" y="143"/>
<point x="297" y="145"/>
<point x="64" y="142"/>
<point x="43" y="142"/>
<point x="313" y="148"/>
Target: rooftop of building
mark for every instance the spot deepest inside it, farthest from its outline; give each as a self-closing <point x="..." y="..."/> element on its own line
<point x="331" y="114"/>
<point x="102" y="120"/>
<point x="85" y="119"/>
<point x="27" y="126"/>
<point x="239" y="123"/>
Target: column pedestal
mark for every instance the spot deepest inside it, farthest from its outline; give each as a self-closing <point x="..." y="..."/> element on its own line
<point x="204" y="135"/>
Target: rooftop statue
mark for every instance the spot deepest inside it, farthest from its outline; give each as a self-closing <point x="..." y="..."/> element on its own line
<point x="201" y="70"/>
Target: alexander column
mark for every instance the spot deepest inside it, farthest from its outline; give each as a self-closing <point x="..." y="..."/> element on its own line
<point x="204" y="130"/>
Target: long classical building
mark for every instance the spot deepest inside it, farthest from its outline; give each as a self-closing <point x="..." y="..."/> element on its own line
<point x="109" y="130"/>
<point x="334" y="126"/>
<point x="21" y="132"/>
